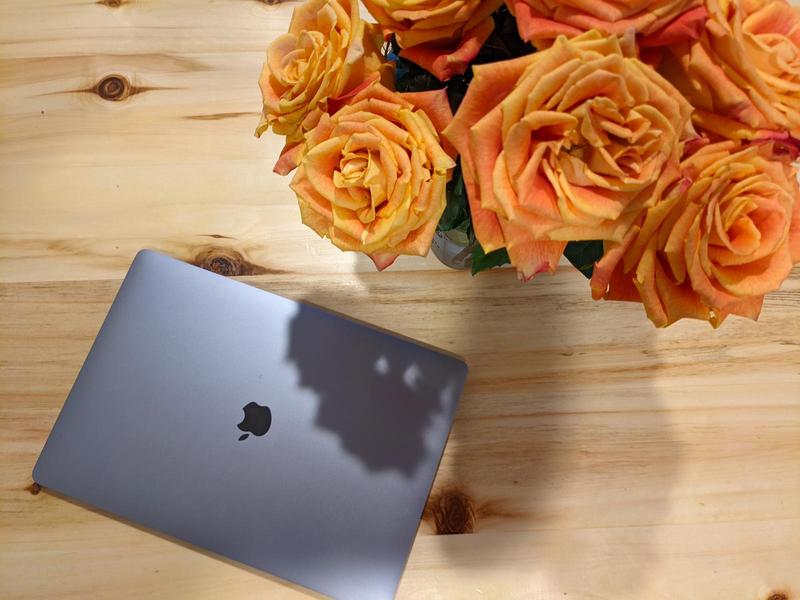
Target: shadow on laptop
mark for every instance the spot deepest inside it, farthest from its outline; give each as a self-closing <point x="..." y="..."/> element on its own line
<point x="380" y="406"/>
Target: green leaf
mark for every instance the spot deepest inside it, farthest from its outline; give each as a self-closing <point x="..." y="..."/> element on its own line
<point x="482" y="261"/>
<point x="583" y="255"/>
<point x="456" y="212"/>
<point x="452" y="217"/>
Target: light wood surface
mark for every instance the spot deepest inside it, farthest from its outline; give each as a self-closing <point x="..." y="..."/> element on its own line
<point x="592" y="456"/>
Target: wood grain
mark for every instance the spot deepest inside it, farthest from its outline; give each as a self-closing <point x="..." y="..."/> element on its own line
<point x="86" y="181"/>
<point x="592" y="456"/>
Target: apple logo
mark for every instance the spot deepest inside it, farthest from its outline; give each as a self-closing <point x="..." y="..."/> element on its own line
<point x="257" y="420"/>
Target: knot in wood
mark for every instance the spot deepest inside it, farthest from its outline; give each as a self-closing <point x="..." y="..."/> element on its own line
<point x="225" y="261"/>
<point x="222" y="261"/>
<point x="113" y="88"/>
<point x="452" y="512"/>
<point x="222" y="265"/>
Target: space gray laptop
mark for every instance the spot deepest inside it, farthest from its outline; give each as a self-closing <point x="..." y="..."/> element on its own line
<point x="263" y="429"/>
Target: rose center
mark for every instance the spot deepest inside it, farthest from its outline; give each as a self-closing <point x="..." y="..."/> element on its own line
<point x="782" y="46"/>
<point x="744" y="235"/>
<point x="612" y="141"/>
<point x="298" y="64"/>
<point x="352" y="169"/>
<point x="737" y="216"/>
<point x="361" y="179"/>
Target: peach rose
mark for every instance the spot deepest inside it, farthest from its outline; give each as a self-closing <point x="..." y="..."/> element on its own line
<point x="327" y="53"/>
<point x="570" y="143"/>
<point x="656" y="21"/>
<point x="372" y="177"/>
<point x="443" y="36"/>
<point x="720" y="238"/>
<point x="743" y="74"/>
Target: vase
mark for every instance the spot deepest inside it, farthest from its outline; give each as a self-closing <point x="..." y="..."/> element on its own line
<point x="453" y="249"/>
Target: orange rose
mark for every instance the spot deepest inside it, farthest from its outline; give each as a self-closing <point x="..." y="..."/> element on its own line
<point x="327" y="53"/>
<point x="719" y="240"/>
<point x="743" y="74"/>
<point x="443" y="36"/>
<point x="570" y="143"/>
<point x="372" y="177"/>
<point x="657" y="21"/>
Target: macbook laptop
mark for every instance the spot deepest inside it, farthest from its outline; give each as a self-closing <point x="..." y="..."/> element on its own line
<point x="262" y="429"/>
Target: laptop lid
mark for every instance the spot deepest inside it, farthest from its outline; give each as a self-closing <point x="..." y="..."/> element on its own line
<point x="272" y="432"/>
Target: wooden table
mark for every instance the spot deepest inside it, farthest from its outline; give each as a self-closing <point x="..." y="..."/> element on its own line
<point x="592" y="456"/>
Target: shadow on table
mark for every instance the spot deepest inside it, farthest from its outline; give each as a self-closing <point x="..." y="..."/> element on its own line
<point x="561" y="457"/>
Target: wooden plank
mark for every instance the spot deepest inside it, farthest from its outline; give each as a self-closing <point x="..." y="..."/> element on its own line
<point x="52" y="229"/>
<point x="592" y="457"/>
<point x="47" y="28"/>
<point x="86" y="182"/>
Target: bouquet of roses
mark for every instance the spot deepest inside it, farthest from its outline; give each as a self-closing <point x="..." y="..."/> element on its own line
<point x="651" y="142"/>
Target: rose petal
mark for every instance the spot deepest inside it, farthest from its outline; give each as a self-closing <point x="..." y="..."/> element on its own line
<point x="605" y="267"/>
<point x="645" y="282"/>
<point x="485" y="144"/>
<point x="446" y="63"/>
<point x="437" y="107"/>
<point x="749" y="308"/>
<point x="530" y="257"/>
<point x="687" y="27"/>
<point x="758" y="277"/>
<point x="289" y="158"/>
<point x="487" y="89"/>
<point x="382" y="261"/>
<point x="679" y="301"/>
<point x="533" y="27"/>
<point x="794" y="230"/>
